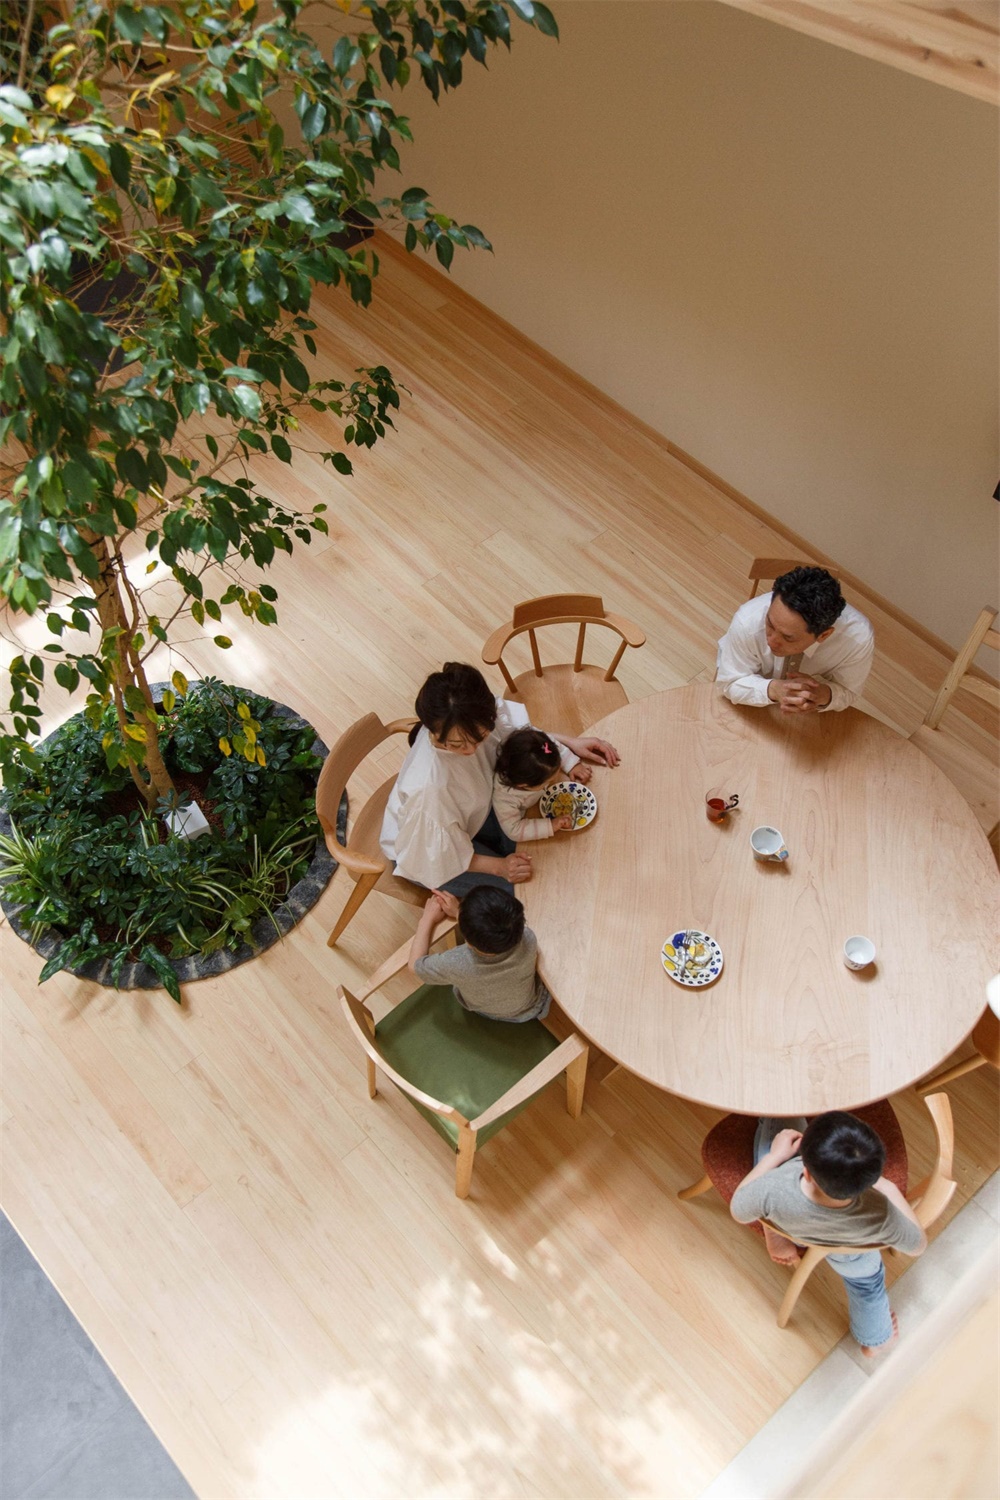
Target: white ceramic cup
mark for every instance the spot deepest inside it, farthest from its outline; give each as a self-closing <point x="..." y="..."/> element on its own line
<point x="768" y="843"/>
<point x="859" y="952"/>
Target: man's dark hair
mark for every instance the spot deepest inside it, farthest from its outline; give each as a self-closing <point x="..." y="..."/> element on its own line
<point x="842" y="1154"/>
<point x="814" y="594"/>
<point x="457" y="697"/>
<point x="527" y="758"/>
<point x="491" y="919"/>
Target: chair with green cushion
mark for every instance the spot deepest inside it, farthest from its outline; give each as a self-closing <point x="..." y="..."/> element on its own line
<point x="468" y="1076"/>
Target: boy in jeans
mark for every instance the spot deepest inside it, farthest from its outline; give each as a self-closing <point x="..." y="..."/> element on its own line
<point x="493" y="971"/>
<point x="823" y="1185"/>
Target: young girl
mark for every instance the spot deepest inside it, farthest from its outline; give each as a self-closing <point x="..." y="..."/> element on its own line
<point x="527" y="760"/>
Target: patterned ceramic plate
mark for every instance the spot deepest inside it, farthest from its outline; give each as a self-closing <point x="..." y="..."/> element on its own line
<point x="692" y="958"/>
<point x="565" y="799"/>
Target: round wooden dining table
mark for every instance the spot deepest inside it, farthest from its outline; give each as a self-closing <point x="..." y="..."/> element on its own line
<point x="880" y="844"/>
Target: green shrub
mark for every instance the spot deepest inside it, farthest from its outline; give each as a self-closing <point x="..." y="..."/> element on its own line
<point x="88" y="863"/>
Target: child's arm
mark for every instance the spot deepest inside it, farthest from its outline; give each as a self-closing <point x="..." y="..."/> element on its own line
<point x="507" y="806"/>
<point x="436" y="908"/>
<point x="891" y="1191"/>
<point x="746" y="1207"/>
<point x="784" y="1146"/>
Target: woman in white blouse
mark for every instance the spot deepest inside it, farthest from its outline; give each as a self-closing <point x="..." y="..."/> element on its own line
<point x="439" y="828"/>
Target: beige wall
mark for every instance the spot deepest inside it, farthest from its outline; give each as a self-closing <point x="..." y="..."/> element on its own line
<point x="780" y="255"/>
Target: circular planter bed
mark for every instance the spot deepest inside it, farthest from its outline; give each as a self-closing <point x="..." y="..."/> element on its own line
<point x="93" y="879"/>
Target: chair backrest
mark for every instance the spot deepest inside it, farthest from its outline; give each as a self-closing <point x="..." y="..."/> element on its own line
<point x="354" y="745"/>
<point x="560" y="609"/>
<point x="981" y="634"/>
<point x="361" y="1024"/>
<point x="767" y="569"/>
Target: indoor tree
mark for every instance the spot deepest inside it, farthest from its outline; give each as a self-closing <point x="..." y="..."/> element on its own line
<point x="161" y="237"/>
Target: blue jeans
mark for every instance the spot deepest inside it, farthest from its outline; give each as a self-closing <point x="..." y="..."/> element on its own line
<point x="492" y="841"/>
<point x="863" y="1274"/>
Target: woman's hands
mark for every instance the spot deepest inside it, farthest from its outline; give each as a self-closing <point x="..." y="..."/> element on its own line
<point x="516" y="868"/>
<point x="597" y="752"/>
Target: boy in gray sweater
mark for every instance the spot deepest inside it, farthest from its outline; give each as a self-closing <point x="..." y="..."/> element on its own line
<point x="493" y="971"/>
<point x="824" y="1186"/>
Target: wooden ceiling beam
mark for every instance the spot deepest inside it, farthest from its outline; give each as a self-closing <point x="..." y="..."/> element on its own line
<point x="954" y="44"/>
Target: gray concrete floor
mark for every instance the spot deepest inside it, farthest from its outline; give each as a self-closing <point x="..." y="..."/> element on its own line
<point x="68" y="1431"/>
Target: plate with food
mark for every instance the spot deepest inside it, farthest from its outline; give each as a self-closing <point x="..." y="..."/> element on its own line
<point x="569" y="799"/>
<point x="692" y="958"/>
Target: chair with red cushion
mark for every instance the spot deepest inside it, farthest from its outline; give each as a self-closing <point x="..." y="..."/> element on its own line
<point x="727" y="1156"/>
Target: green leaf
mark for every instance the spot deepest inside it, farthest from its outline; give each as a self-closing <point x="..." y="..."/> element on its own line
<point x="163" y="969"/>
<point x="314" y="121"/>
<point x="247" y="401"/>
<point x="222" y="641"/>
<point x="545" y="20"/>
<point x="192" y="300"/>
<point x="445" y="251"/>
<point x="281" y="447"/>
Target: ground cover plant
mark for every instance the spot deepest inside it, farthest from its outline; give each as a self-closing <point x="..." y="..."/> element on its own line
<point x="89" y="862"/>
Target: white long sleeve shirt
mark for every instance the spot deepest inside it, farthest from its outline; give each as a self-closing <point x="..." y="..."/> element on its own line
<point x="510" y="803"/>
<point x="441" y="800"/>
<point x="746" y="664"/>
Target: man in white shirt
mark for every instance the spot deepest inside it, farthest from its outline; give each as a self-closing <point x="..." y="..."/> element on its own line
<point x="801" y="646"/>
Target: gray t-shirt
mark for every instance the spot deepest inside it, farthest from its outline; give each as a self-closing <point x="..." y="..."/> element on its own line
<point x="870" y="1219"/>
<point x="503" y="985"/>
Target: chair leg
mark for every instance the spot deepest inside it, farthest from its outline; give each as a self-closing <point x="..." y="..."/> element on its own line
<point x="576" y="1081"/>
<point x="365" y="884"/>
<point x="950" y="1074"/>
<point x="372" y="1083"/>
<point x="801" y="1275"/>
<point x="466" y="1161"/>
<point x="696" y="1189"/>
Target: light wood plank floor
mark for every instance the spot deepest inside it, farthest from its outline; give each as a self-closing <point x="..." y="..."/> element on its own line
<point x="275" y="1267"/>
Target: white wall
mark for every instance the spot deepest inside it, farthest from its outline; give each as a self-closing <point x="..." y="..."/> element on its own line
<point x="779" y="254"/>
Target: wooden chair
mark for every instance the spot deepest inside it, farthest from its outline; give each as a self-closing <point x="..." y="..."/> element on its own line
<point x="467" y="1075"/>
<point x="572" y="696"/>
<point x="729" y="1157"/>
<point x="767" y="569"/>
<point x="974" y="776"/>
<point x="361" y="856"/>
<point x="986" y="1040"/>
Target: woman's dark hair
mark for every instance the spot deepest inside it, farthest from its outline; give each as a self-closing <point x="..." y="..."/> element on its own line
<point x="491" y="919"/>
<point x="814" y="594"/>
<point x="527" y="758"/>
<point x="457" y="697"/>
<point x="842" y="1154"/>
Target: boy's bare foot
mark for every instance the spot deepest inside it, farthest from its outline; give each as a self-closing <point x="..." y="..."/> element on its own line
<point x="782" y="1251"/>
<point x="870" y="1353"/>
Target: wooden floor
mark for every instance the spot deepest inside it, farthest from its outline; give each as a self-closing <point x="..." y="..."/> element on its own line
<point x="275" y="1266"/>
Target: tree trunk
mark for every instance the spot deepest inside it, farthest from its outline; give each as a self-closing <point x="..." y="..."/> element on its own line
<point x="151" y="775"/>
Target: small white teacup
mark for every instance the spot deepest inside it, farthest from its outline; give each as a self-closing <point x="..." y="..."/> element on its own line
<point x="859" y="952"/>
<point x="768" y="843"/>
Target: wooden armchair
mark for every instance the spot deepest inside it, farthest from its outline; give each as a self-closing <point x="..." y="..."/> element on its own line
<point x="928" y="1202"/>
<point x="974" y="775"/>
<point x="727" y="1154"/>
<point x="571" y="696"/>
<point x="467" y="1075"/>
<point x="986" y="1040"/>
<point x="767" y="569"/>
<point x="361" y="856"/>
